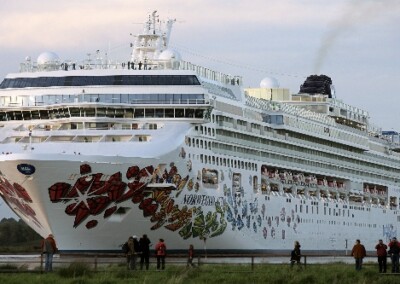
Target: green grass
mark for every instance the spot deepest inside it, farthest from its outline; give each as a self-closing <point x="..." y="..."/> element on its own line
<point x="81" y="273"/>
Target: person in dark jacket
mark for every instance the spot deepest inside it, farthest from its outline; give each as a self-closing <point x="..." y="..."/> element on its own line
<point x="295" y="254"/>
<point x="394" y="251"/>
<point x="49" y="248"/>
<point x="382" y="255"/>
<point x="358" y="252"/>
<point x="145" y="246"/>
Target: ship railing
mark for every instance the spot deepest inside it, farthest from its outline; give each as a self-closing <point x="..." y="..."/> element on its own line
<point x="211" y="74"/>
<point x="295" y="111"/>
<point x="115" y="65"/>
<point x="241" y="262"/>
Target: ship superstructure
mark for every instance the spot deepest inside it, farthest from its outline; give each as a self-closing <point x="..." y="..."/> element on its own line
<point x="95" y="151"/>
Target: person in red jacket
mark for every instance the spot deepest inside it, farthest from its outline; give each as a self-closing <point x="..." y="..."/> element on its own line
<point x="49" y="248"/>
<point x="161" y="249"/>
<point x="382" y="255"/>
<point x="190" y="256"/>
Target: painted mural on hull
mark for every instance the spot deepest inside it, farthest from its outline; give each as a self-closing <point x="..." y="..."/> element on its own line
<point x="18" y="198"/>
<point x="176" y="201"/>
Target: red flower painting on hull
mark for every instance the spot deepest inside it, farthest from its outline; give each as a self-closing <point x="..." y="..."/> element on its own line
<point x="96" y="193"/>
<point x="17" y="197"/>
<point x="93" y="194"/>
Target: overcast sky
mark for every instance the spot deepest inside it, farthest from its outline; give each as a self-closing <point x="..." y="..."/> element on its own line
<point x="355" y="42"/>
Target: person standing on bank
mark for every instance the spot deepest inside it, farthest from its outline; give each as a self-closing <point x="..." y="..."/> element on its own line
<point x="358" y="252"/>
<point x="160" y="253"/>
<point x="394" y="251"/>
<point x="295" y="254"/>
<point x="190" y="256"/>
<point x="382" y="255"/>
<point x="49" y="248"/>
<point x="145" y="246"/>
<point x="131" y="254"/>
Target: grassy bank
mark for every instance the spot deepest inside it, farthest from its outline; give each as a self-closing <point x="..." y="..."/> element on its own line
<point x="224" y="273"/>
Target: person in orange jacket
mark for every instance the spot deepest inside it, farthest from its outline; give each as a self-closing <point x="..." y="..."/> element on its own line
<point x="358" y="252"/>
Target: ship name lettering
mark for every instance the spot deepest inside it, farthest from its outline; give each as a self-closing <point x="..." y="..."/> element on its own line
<point x="194" y="199"/>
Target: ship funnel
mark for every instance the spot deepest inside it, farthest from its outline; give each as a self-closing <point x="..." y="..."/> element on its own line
<point x="317" y="84"/>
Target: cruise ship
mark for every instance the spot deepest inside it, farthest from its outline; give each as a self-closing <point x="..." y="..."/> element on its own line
<point x="95" y="151"/>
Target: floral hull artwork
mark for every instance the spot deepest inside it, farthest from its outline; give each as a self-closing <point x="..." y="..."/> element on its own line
<point x="152" y="191"/>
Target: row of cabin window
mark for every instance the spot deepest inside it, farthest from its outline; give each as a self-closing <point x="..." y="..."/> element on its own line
<point x="226" y="162"/>
<point x="101" y="112"/>
<point x="346" y="163"/>
<point x="99" y="81"/>
<point x="103" y="98"/>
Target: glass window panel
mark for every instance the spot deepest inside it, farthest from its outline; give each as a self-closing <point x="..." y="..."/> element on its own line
<point x="169" y="98"/>
<point x="35" y="114"/>
<point x="101" y="112"/>
<point x="110" y="112"/>
<point x="185" y="98"/>
<point x="74" y="111"/>
<point x="176" y="80"/>
<point x="139" y="80"/>
<point x="149" y="112"/>
<point x="117" y="80"/>
<point x="128" y="113"/>
<point x="44" y="114"/>
<point x="189" y="113"/>
<point x="177" y="98"/>
<point x="162" y="80"/>
<point x="102" y="98"/>
<point x="184" y="80"/>
<point x="159" y="112"/>
<point x="139" y="112"/>
<point x="169" y="112"/>
<point x="147" y="80"/>
<point x="179" y="112"/>
<point x="116" y="99"/>
<point x="26" y="115"/>
<point x="199" y="113"/>
<point x="119" y="113"/>
<point x="124" y="98"/>
<point x="147" y="98"/>
<point x="161" y="98"/>
<point x="89" y="112"/>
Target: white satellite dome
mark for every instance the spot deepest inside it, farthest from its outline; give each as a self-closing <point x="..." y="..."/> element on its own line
<point x="269" y="83"/>
<point x="170" y="54"/>
<point x="48" y="58"/>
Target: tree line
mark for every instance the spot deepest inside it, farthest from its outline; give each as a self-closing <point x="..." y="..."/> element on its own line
<point x="13" y="232"/>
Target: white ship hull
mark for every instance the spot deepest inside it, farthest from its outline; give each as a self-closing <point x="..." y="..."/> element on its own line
<point x="214" y="217"/>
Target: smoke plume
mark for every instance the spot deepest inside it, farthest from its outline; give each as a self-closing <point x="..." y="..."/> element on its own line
<point x="356" y="12"/>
